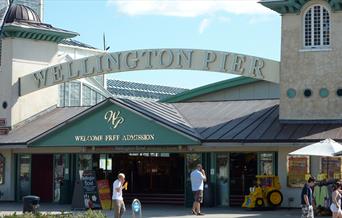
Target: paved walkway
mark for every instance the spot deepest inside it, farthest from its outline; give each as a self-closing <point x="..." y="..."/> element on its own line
<point x="165" y="211"/>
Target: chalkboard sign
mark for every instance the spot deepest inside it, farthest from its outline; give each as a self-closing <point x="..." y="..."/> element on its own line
<point x="90" y="193"/>
<point x="86" y="195"/>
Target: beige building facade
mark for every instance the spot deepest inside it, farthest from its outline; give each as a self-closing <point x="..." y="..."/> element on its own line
<point x="311" y="71"/>
<point x="238" y="128"/>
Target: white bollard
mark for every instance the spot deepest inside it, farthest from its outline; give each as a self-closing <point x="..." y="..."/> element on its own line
<point x="136" y="209"/>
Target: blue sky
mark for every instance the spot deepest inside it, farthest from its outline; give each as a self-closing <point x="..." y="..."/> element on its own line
<point x="241" y="26"/>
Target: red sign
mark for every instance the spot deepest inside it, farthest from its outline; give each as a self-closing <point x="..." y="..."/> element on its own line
<point x="104" y="194"/>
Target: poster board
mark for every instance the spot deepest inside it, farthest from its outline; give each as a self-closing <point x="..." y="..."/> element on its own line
<point x="104" y="194"/>
<point x="86" y="194"/>
<point x="298" y="167"/>
<point x="331" y="166"/>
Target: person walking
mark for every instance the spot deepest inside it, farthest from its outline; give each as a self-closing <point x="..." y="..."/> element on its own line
<point x="119" y="205"/>
<point x="306" y="198"/>
<point x="197" y="178"/>
<point x="335" y="206"/>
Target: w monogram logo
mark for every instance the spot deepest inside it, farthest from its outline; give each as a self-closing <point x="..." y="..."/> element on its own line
<point x="114" y="119"/>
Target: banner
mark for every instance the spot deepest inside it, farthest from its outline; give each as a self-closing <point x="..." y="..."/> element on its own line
<point x="104" y="193"/>
<point x="298" y="167"/>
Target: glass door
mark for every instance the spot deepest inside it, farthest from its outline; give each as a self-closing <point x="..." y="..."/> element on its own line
<point x="61" y="176"/>
<point x="24" y="175"/>
<point x="222" y="185"/>
<point x="243" y="169"/>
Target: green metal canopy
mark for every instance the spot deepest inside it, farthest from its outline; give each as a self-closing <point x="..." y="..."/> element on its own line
<point x="112" y="123"/>
<point x="294" y="6"/>
<point x="36" y="32"/>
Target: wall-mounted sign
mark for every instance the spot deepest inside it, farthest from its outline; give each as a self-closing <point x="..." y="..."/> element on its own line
<point x="298" y="168"/>
<point x="152" y="59"/>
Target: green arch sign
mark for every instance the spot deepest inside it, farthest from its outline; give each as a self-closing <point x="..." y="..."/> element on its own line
<point x="152" y="59"/>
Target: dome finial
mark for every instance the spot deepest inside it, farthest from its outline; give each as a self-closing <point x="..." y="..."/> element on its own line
<point x="21" y="13"/>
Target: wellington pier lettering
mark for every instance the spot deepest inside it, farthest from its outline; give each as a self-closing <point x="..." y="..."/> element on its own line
<point x="152" y="59"/>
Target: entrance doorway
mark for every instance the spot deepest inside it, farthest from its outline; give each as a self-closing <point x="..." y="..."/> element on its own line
<point x="153" y="177"/>
<point x="243" y="169"/>
<point x="42" y="176"/>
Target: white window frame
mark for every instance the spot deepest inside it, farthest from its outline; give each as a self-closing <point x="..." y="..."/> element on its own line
<point x="313" y="46"/>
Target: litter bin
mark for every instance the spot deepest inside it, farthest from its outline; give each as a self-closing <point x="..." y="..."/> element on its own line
<point x="31" y="204"/>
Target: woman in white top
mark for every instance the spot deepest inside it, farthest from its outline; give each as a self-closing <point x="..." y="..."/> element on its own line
<point x="335" y="206"/>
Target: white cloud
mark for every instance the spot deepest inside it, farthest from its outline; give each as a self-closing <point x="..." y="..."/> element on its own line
<point x="188" y="8"/>
<point x="204" y="24"/>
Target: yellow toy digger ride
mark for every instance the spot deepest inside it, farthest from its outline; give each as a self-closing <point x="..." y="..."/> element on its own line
<point x="266" y="194"/>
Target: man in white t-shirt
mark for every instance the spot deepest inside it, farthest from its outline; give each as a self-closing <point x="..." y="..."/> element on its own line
<point x="197" y="178"/>
<point x="119" y="205"/>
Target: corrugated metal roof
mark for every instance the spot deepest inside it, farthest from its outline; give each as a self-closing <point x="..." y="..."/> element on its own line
<point x="251" y="121"/>
<point x="162" y="112"/>
<point x="76" y="43"/>
<point x="40" y="125"/>
<point x="140" y="91"/>
<point x="229" y="121"/>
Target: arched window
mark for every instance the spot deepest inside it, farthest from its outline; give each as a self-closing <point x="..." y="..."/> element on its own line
<point x="316" y="27"/>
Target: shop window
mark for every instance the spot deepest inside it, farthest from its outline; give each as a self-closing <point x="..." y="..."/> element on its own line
<point x="2" y="169"/>
<point x="298" y="168"/>
<point x="66" y="94"/>
<point x="316" y="27"/>
<point x="105" y="162"/>
<point x="85" y="162"/>
<point x="93" y="97"/>
<point x="75" y="94"/>
<point x="331" y="167"/>
<point x="86" y="95"/>
<point x="266" y="164"/>
<point x="99" y="97"/>
<point x="61" y="89"/>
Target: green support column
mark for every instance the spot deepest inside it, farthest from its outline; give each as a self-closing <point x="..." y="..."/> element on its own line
<point x="213" y="176"/>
